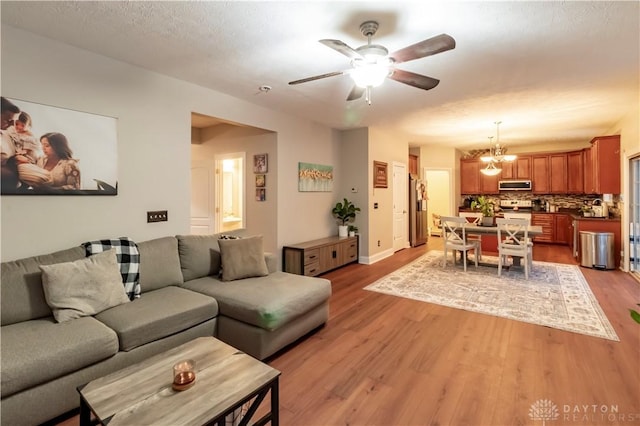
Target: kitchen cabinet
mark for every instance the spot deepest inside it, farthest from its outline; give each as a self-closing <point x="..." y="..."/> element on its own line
<point x="602" y="166"/>
<point x="600" y="225"/>
<point x="473" y="182"/>
<point x="549" y="173"/>
<point x="469" y="177"/>
<point x="544" y="220"/>
<point x="558" y="173"/>
<point x="562" y="227"/>
<point x="556" y="228"/>
<point x="520" y="168"/>
<point x="413" y="164"/>
<point x="315" y="257"/>
<point x="575" y="172"/>
<point x="488" y="184"/>
<point x="540" y="174"/>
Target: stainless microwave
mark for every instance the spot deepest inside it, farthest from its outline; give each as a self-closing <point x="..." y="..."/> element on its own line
<point x="514" y="185"/>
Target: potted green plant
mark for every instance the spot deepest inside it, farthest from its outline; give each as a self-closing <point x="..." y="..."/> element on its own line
<point x="353" y="230"/>
<point x="486" y="208"/>
<point x="345" y="212"/>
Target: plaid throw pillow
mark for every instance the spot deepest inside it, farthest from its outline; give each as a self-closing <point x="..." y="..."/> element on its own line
<point x="128" y="259"/>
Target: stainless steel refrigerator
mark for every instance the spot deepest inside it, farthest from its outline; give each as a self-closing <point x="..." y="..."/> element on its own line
<point x="418" y="223"/>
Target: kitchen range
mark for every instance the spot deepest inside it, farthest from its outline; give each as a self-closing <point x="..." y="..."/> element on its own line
<point x="516" y="209"/>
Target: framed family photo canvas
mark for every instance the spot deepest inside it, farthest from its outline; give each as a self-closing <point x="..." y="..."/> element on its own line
<point x="48" y="150"/>
<point x="261" y="181"/>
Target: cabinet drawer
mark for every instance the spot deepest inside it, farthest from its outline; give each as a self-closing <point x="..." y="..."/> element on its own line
<point x="311" y="256"/>
<point x="312" y="269"/>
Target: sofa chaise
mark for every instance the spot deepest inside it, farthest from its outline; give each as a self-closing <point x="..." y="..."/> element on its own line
<point x="191" y="286"/>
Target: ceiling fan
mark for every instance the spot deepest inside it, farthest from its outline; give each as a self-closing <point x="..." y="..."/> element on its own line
<point x="372" y="63"/>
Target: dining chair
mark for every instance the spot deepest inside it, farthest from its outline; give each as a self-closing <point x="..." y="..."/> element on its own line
<point x="525" y="216"/>
<point x="513" y="240"/>
<point x="476" y="219"/>
<point x="453" y="231"/>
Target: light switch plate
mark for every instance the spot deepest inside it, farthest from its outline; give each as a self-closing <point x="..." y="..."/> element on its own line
<point x="157" y="216"/>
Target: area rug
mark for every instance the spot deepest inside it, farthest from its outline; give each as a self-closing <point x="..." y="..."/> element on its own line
<point x="555" y="295"/>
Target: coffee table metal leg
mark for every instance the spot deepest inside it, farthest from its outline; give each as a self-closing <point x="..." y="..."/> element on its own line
<point x="275" y="403"/>
<point x="85" y="413"/>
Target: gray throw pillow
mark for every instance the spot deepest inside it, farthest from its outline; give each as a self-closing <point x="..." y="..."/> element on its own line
<point x="242" y="258"/>
<point x="84" y="287"/>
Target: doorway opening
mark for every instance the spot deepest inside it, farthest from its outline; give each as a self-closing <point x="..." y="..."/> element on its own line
<point x="230" y="205"/>
<point x="439" y="185"/>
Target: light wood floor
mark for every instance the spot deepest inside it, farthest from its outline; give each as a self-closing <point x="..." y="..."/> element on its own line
<point x="384" y="360"/>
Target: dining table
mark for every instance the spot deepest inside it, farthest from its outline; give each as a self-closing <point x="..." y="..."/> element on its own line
<point x="471" y="228"/>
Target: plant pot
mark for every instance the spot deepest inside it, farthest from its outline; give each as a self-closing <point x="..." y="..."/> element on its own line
<point x="487" y="220"/>
<point x="343" y="230"/>
<point x="352" y="233"/>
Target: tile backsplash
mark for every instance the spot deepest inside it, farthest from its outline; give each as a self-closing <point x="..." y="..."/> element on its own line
<point x="562" y="201"/>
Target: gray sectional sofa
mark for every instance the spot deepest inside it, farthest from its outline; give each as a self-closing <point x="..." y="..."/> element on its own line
<point x="182" y="297"/>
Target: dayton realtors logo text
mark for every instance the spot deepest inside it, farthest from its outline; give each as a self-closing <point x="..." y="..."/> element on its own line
<point x="546" y="410"/>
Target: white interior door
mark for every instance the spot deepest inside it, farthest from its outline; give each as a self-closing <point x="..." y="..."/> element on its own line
<point x="202" y="197"/>
<point x="400" y="206"/>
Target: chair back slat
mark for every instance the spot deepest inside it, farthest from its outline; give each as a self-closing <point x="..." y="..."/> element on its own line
<point x="514" y="232"/>
<point x="453" y="229"/>
<point x="474" y="218"/>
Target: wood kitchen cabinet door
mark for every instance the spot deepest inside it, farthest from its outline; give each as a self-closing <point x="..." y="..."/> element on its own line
<point x="558" y="173"/>
<point x="562" y="229"/>
<point x="489" y="184"/>
<point x="575" y="172"/>
<point x="540" y="174"/>
<point x="520" y="168"/>
<point x="470" y="177"/>
<point x="606" y="164"/>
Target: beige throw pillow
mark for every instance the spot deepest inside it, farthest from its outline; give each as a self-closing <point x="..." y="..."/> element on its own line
<point x="242" y="258"/>
<point x="84" y="287"/>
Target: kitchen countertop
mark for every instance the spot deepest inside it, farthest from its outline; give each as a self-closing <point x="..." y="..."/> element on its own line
<point x="574" y="213"/>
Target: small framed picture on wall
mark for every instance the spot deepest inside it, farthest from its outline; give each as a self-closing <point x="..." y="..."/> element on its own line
<point x="260" y="163"/>
<point x="261" y="194"/>
<point x="261" y="181"/>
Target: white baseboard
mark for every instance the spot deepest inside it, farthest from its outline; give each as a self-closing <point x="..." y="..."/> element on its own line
<point x="368" y="260"/>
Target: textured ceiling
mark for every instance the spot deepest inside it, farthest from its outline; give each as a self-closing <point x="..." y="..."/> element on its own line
<point x="550" y="71"/>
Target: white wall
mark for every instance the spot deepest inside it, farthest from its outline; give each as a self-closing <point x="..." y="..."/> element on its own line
<point x="154" y="136"/>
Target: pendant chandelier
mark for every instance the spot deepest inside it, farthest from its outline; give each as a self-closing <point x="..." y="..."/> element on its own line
<point x="497" y="154"/>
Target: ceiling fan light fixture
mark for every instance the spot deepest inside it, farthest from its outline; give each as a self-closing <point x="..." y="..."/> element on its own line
<point x="368" y="74"/>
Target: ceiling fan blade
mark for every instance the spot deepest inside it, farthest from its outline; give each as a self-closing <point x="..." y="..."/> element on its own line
<point x="317" y="77"/>
<point x="356" y="93"/>
<point x="427" y="47"/>
<point x="342" y="48"/>
<point x="413" y="79"/>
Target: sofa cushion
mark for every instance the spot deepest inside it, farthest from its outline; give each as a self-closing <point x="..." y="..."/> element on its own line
<point x="242" y="258"/>
<point x="200" y="254"/>
<point x="159" y="263"/>
<point x="37" y="351"/>
<point x="83" y="287"/>
<point x="160" y="313"/>
<point x="128" y="259"/>
<point x="21" y="294"/>
<point x="268" y="302"/>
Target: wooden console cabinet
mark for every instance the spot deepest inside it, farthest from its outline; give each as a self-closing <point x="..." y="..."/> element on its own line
<point x="315" y="257"/>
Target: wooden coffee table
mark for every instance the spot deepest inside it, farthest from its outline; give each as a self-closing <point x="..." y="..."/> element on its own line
<point x="141" y="394"/>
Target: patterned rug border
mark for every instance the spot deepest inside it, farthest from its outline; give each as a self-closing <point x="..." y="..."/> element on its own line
<point x="394" y="284"/>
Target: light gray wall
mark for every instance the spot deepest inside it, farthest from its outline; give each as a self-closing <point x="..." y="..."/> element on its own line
<point x="225" y="139"/>
<point x="154" y="136"/>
